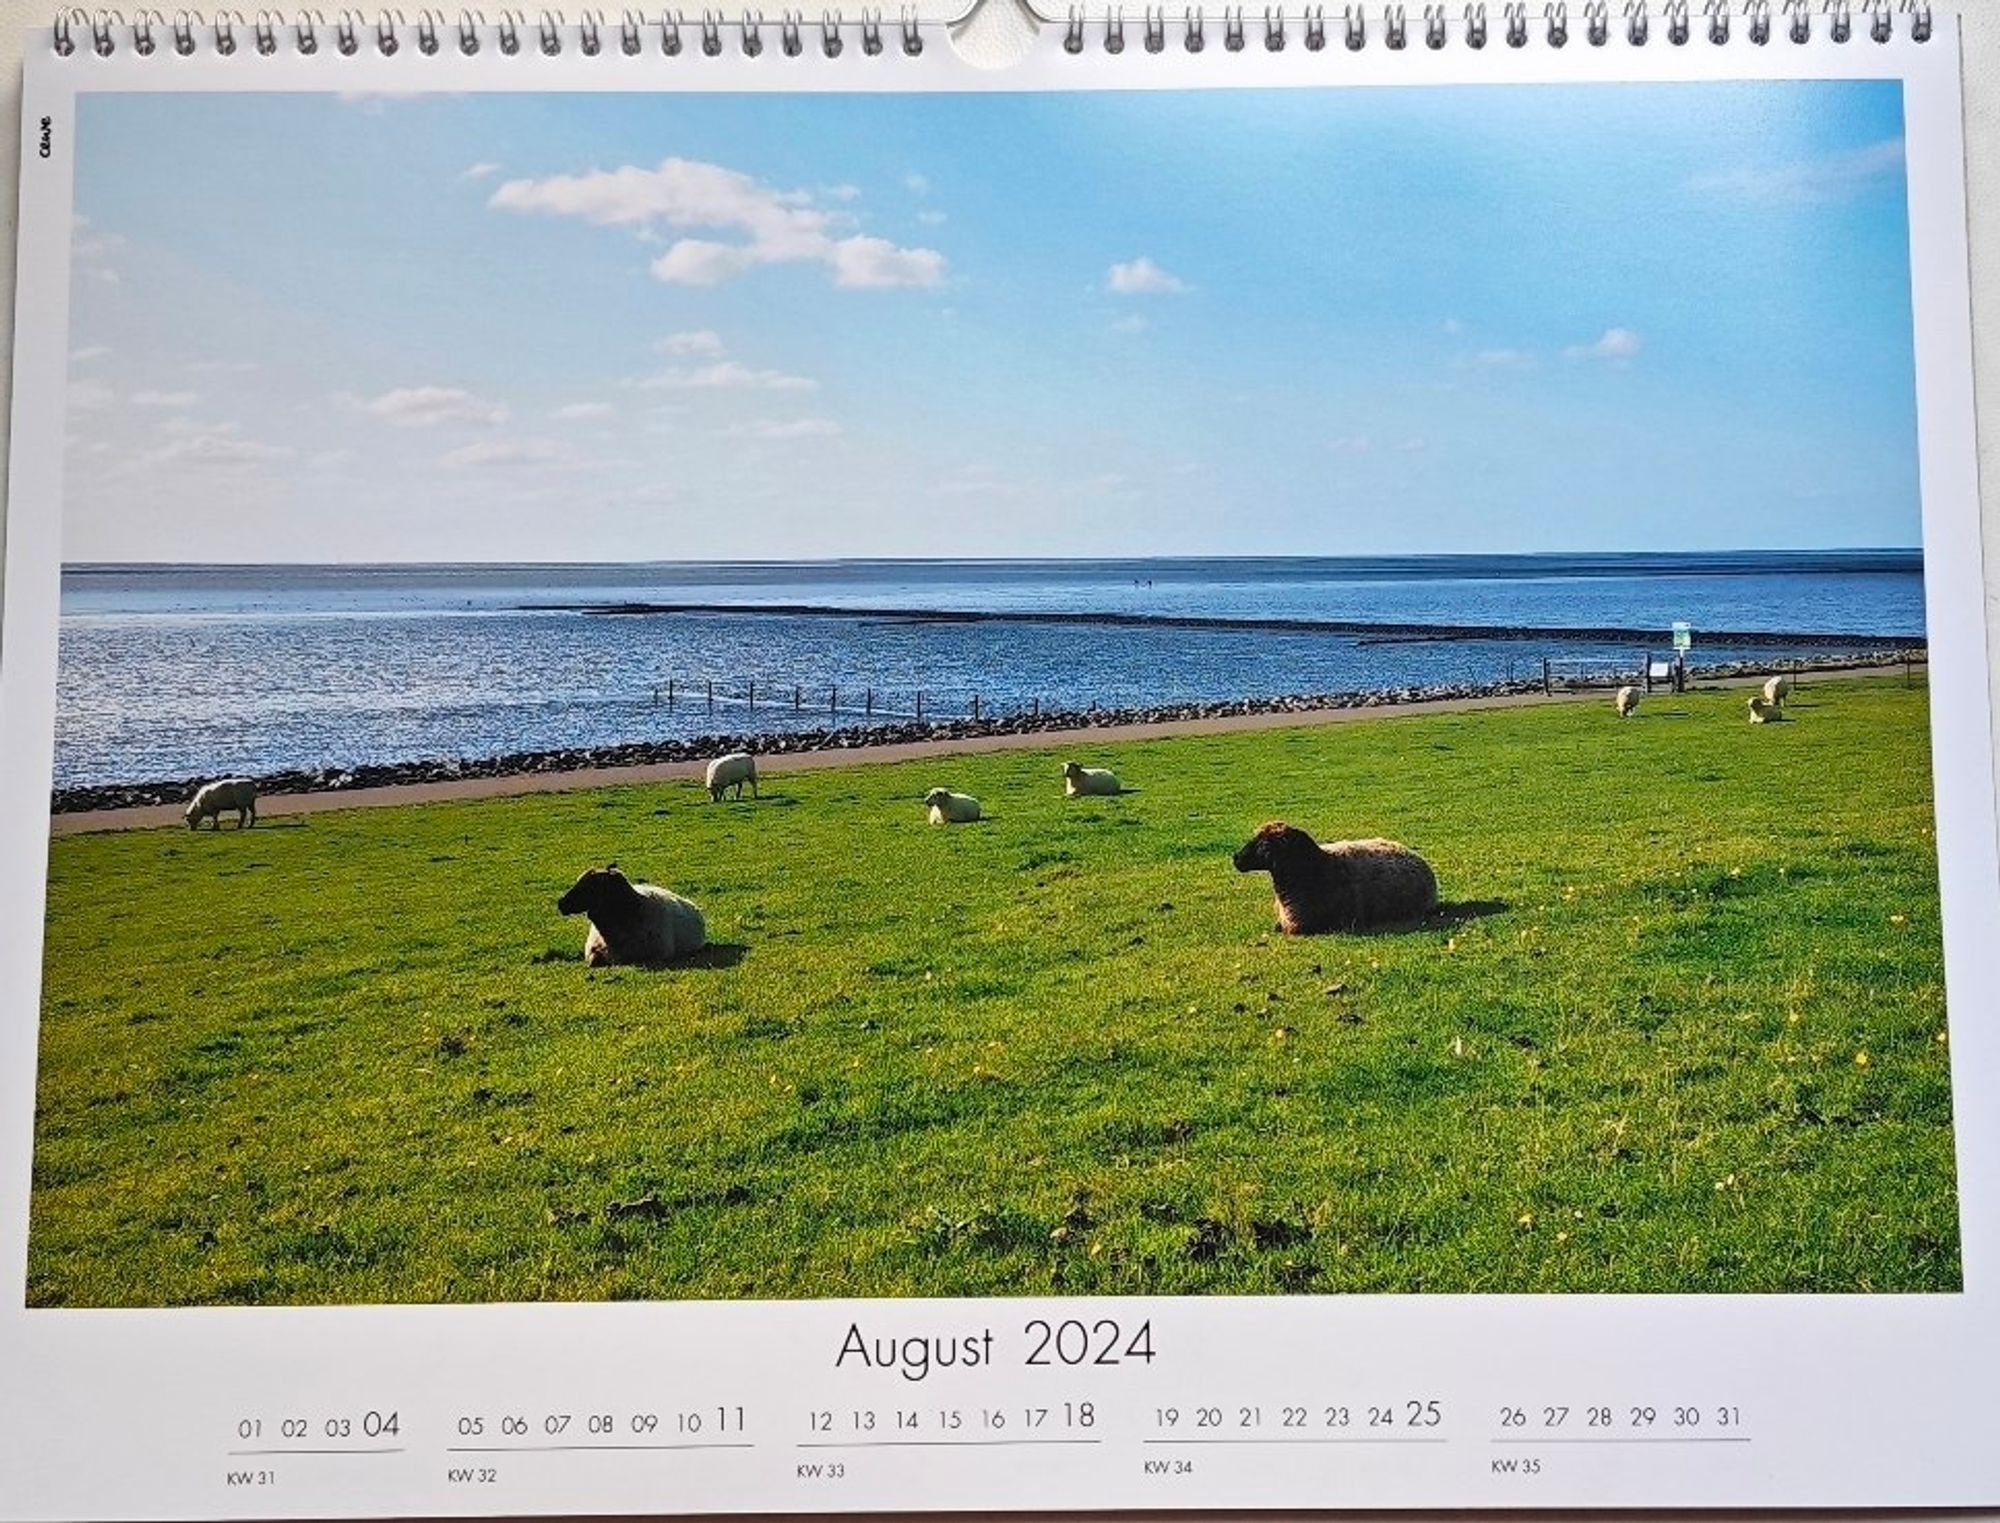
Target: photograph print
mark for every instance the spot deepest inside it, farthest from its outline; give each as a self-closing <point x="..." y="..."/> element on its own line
<point x="1210" y="692"/>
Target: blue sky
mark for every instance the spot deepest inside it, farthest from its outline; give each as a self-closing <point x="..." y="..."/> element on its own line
<point x="309" y="327"/>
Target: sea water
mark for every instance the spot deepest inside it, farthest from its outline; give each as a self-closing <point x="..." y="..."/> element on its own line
<point x="185" y="671"/>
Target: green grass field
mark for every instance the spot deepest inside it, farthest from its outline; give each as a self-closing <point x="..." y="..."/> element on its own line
<point x="1686" y="1032"/>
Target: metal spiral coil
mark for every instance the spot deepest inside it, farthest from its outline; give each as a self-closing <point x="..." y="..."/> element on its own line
<point x="106" y="33"/>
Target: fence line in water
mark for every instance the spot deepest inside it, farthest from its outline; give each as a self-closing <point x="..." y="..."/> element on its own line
<point x="834" y="701"/>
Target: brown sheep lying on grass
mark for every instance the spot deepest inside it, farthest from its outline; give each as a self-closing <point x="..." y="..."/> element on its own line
<point x="1345" y="886"/>
<point x="636" y="923"/>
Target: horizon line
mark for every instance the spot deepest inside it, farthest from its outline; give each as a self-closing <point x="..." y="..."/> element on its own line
<point x="994" y="560"/>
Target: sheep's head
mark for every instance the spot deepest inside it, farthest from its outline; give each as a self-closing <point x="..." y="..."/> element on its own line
<point x="937" y="796"/>
<point x="1272" y="846"/>
<point x="1072" y="771"/>
<point x="597" y="887"/>
<point x="192" y="814"/>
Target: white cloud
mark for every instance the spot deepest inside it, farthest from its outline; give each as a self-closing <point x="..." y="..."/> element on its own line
<point x="1414" y="445"/>
<point x="1349" y="444"/>
<point x="1502" y="359"/>
<point x="787" y="428"/>
<point x="574" y="412"/>
<point x="85" y="395"/>
<point x="329" y="459"/>
<point x="1131" y="323"/>
<point x="1830" y="178"/>
<point x="88" y="353"/>
<point x="500" y="452"/>
<point x="932" y="217"/>
<point x="164" y="398"/>
<point x="427" y="406"/>
<point x="220" y="444"/>
<point x="703" y="262"/>
<point x="1142" y="277"/>
<point x="916" y="184"/>
<point x="704" y="344"/>
<point x="727" y="375"/>
<point x="480" y="171"/>
<point x="1451" y="326"/>
<point x="772" y="227"/>
<point x="220" y="367"/>
<point x="841" y="192"/>
<point x="86" y="243"/>
<point x="1612" y="344"/>
<point x="877" y="264"/>
<point x="976" y="480"/>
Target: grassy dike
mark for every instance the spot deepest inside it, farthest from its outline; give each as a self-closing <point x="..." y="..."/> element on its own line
<point x="1684" y="1030"/>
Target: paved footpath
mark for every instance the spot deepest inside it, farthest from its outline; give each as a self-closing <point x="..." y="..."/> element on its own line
<point x="1095" y="737"/>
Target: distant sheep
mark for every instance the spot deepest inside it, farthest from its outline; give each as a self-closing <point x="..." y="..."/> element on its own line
<point x="1763" y="711"/>
<point x="1079" y="782"/>
<point x="212" y="800"/>
<point x="948" y="808"/>
<point x="732" y="771"/>
<point x="1344" y="886"/>
<point x="1777" y="690"/>
<point x="1628" y="702"/>
<point x="631" y="923"/>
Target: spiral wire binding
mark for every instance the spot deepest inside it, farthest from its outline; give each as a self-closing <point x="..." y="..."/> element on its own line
<point x="105" y="33"/>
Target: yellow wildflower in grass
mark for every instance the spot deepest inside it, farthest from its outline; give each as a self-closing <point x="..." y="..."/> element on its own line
<point x="1861" y="1060"/>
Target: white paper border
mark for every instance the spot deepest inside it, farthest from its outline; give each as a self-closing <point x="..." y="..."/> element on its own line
<point x="1853" y="1401"/>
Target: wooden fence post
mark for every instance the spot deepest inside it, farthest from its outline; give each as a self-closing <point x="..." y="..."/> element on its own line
<point x="1547" y="690"/>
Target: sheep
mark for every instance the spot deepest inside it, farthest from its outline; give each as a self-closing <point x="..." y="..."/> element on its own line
<point x="948" y="808"/>
<point x="1344" y="886"/>
<point x="1081" y="781"/>
<point x="1628" y="702"/>
<point x="212" y="800"/>
<point x="731" y="771"/>
<point x="639" y="924"/>
<point x="1763" y="711"/>
<point x="1777" y="690"/>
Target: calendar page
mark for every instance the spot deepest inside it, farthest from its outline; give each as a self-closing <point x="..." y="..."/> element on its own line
<point x="753" y="763"/>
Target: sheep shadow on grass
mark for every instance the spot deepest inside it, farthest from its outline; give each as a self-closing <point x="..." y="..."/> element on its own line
<point x="1461" y="912"/>
<point x="717" y="954"/>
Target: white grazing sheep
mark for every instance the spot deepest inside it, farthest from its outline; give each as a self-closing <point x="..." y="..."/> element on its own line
<point x="1628" y="702"/>
<point x="212" y="800"/>
<point x="1763" y="711"/>
<point x="1081" y="781"/>
<point x="1777" y="690"/>
<point x="948" y="808"/>
<point x="732" y="771"/>
<point x="635" y="923"/>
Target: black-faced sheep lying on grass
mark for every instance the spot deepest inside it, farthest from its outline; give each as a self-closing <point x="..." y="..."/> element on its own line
<point x="639" y="924"/>
<point x="1344" y="886"/>
<point x="213" y="800"/>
